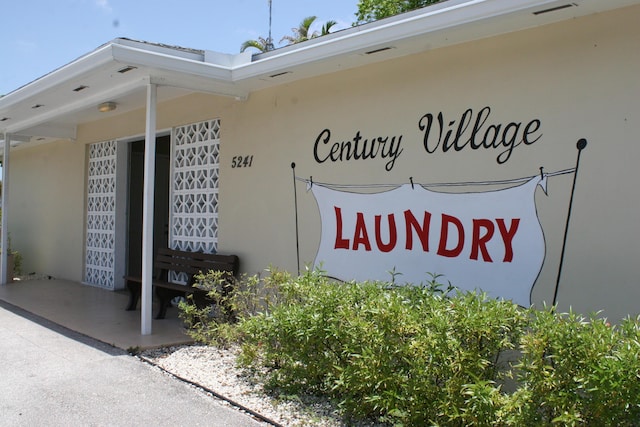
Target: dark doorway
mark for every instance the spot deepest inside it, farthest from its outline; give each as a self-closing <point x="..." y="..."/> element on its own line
<point x="161" y="205"/>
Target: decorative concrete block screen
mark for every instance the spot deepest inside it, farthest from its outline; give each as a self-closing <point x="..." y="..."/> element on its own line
<point x="101" y="224"/>
<point x="194" y="189"/>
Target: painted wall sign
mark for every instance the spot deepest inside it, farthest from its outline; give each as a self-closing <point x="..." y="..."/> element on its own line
<point x="439" y="133"/>
<point x="488" y="240"/>
<point x="471" y="130"/>
<point x="357" y="148"/>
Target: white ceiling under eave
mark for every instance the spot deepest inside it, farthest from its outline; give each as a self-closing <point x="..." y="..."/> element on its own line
<point x="52" y="107"/>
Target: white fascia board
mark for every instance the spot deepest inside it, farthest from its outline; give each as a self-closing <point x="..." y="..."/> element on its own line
<point x="87" y="102"/>
<point x="163" y="62"/>
<point x="207" y="76"/>
<point x="80" y="66"/>
<point x="116" y="51"/>
<point x="226" y="59"/>
<point x="447" y="15"/>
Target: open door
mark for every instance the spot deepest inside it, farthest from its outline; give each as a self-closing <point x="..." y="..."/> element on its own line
<point x="161" y="204"/>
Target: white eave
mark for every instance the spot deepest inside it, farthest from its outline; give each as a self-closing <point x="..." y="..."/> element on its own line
<point x="443" y="24"/>
<point x="52" y="106"/>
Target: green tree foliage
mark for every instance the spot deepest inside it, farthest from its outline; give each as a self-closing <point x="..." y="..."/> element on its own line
<point x="302" y="32"/>
<point x="262" y="44"/>
<point x="299" y="34"/>
<point x="372" y="10"/>
<point x="326" y="28"/>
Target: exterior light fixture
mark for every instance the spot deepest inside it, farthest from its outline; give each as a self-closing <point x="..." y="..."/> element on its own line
<point x="105" y="107"/>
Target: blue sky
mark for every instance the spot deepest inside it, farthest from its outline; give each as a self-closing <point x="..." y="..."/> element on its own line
<point x="38" y="36"/>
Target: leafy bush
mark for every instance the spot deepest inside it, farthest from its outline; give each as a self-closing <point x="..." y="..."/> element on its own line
<point x="417" y="355"/>
<point x="233" y="300"/>
<point x="575" y="371"/>
<point x="17" y="256"/>
<point x="400" y="353"/>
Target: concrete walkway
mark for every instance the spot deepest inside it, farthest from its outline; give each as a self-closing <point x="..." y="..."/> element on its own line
<point x="52" y="376"/>
<point x="94" y="312"/>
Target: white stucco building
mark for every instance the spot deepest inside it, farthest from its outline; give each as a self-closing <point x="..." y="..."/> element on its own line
<point x="468" y="91"/>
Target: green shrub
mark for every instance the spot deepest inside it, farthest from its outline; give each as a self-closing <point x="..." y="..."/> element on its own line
<point x="401" y="353"/>
<point x="416" y="355"/>
<point x="233" y="300"/>
<point x="575" y="371"/>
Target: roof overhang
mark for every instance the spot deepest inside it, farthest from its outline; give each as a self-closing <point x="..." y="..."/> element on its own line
<point x="52" y="106"/>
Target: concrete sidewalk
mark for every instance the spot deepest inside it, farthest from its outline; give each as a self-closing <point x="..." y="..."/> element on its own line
<point x="95" y="312"/>
<point x="52" y="376"/>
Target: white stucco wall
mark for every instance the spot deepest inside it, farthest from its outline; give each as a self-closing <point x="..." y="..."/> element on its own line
<point x="578" y="78"/>
<point x="46" y="208"/>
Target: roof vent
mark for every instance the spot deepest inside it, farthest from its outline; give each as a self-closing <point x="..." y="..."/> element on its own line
<point x="126" y="69"/>
<point x="80" y="88"/>
<point x="4" y="119"/>
<point x="37" y="106"/>
<point x="280" y="74"/>
<point x="382" y="49"/>
<point x="553" y="9"/>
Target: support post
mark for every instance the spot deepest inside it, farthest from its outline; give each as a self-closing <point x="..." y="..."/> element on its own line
<point x="4" y="263"/>
<point x="147" y="212"/>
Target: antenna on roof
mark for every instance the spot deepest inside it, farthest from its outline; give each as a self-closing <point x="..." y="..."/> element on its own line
<point x="269" y="39"/>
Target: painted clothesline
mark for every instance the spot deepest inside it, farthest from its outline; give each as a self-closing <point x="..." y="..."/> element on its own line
<point x="529" y="183"/>
<point x="310" y="182"/>
<point x="490" y="240"/>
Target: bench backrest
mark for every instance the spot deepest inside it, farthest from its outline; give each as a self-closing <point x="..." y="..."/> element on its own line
<point x="192" y="263"/>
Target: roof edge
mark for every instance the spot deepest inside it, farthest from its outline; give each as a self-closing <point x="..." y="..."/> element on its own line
<point x="102" y="55"/>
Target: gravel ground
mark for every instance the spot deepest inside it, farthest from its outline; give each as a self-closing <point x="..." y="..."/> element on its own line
<point x="215" y="369"/>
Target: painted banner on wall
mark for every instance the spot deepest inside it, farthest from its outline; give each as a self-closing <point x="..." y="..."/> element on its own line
<point x="490" y="240"/>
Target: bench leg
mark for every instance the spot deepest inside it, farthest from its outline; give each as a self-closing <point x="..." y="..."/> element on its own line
<point x="165" y="296"/>
<point x="134" y="295"/>
<point x="200" y="300"/>
<point x="162" y="310"/>
<point x="164" y="302"/>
